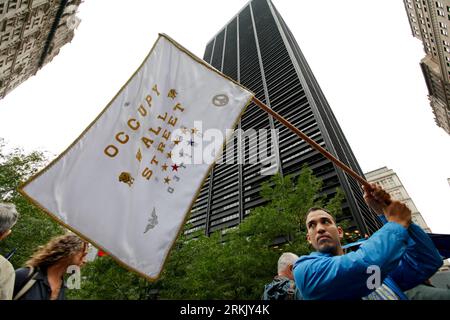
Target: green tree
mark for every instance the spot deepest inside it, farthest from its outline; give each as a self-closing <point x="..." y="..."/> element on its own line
<point x="104" y="279"/>
<point x="33" y="228"/>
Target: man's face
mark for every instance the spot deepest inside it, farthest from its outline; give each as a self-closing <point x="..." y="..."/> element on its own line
<point x="323" y="234"/>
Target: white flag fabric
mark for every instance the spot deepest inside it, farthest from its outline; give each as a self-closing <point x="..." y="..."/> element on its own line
<point x="120" y="185"/>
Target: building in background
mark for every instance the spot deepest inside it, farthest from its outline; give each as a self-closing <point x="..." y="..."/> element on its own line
<point x="257" y="49"/>
<point x="429" y="21"/>
<point x="390" y="182"/>
<point x="31" y="34"/>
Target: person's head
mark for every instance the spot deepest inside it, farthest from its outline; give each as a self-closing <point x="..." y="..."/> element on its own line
<point x="323" y="233"/>
<point x="8" y="218"/>
<point x="68" y="249"/>
<point x="286" y="263"/>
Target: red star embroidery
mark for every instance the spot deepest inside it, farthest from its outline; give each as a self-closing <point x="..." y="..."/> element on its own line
<point x="175" y="167"/>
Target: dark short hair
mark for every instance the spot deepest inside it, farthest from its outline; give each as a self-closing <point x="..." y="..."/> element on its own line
<point x="323" y="209"/>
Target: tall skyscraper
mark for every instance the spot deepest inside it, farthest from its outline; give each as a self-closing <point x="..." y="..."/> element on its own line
<point x="429" y="21"/>
<point x="390" y="182"/>
<point x="257" y="49"/>
<point x="31" y="34"/>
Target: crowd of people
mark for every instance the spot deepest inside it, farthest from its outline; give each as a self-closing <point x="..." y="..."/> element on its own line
<point x="395" y="263"/>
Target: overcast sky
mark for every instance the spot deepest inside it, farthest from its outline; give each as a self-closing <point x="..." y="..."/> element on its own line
<point x="361" y="52"/>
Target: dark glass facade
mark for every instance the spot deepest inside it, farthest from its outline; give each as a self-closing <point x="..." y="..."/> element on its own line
<point x="257" y="49"/>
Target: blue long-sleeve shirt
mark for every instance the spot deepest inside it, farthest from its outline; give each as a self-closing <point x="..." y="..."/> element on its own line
<point x="407" y="256"/>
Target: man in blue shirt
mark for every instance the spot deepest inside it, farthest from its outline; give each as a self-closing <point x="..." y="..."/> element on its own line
<point x="400" y="254"/>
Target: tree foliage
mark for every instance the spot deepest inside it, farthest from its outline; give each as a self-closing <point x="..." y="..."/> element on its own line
<point x="231" y="265"/>
<point x="33" y="228"/>
<point x="104" y="279"/>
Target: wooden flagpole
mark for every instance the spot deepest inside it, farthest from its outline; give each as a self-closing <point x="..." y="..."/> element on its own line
<point x="313" y="144"/>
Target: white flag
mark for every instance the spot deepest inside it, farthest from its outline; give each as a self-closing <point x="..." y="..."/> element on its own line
<point x="120" y="185"/>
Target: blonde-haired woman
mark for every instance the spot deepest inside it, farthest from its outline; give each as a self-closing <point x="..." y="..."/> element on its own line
<point x="42" y="278"/>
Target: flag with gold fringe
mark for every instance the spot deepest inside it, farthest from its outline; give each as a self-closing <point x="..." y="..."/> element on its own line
<point x="127" y="183"/>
